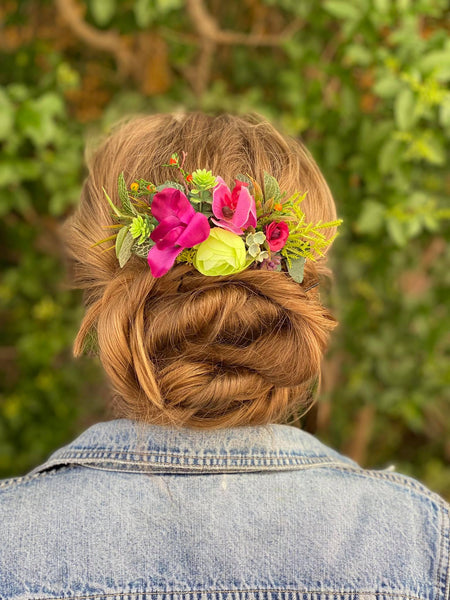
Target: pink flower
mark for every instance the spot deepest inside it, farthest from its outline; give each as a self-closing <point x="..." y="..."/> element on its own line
<point x="234" y="210"/>
<point x="276" y="235"/>
<point x="180" y="226"/>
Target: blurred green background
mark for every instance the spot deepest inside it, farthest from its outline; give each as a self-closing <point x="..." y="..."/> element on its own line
<point x="364" y="83"/>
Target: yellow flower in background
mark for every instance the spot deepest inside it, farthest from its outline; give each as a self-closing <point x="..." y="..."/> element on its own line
<point x="134" y="186"/>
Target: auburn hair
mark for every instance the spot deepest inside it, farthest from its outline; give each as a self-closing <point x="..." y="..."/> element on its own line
<point x="187" y="349"/>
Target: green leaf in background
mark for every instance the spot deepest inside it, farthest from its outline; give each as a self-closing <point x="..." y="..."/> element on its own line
<point x="38" y="118"/>
<point x="389" y="158"/>
<point x="102" y="11"/>
<point x="144" y="12"/>
<point x="387" y="86"/>
<point x="396" y="230"/>
<point x="371" y="219"/>
<point x="357" y="54"/>
<point x="6" y="115"/>
<point x="404" y="109"/>
<point x="444" y="112"/>
<point x="342" y="9"/>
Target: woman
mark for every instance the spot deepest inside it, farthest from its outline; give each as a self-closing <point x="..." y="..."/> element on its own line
<point x="200" y="255"/>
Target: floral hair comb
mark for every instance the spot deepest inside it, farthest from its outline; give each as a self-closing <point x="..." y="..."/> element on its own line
<point x="219" y="231"/>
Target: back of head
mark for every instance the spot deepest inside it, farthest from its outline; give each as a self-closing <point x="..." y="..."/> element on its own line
<point x="187" y="349"/>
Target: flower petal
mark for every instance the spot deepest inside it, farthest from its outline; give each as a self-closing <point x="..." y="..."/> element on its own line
<point x="196" y="231"/>
<point x="171" y="239"/>
<point x="243" y="208"/>
<point x="161" y="261"/>
<point x="221" y="197"/>
<point x="171" y="202"/>
<point x="227" y="225"/>
<point x="164" y="227"/>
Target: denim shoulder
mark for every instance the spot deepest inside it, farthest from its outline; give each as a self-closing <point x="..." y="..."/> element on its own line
<point x="323" y="530"/>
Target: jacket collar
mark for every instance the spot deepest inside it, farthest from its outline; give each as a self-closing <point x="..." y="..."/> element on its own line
<point x="126" y="445"/>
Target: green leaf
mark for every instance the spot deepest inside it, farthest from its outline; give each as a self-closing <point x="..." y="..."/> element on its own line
<point x="124" y="244"/>
<point x="37" y="118"/>
<point x="342" y="9"/>
<point x="143" y="249"/>
<point x="444" y="113"/>
<point x="371" y="218"/>
<point x="127" y="207"/>
<point x="271" y="187"/>
<point x="434" y="151"/>
<point x="112" y="205"/>
<point x="6" y="115"/>
<point x="297" y="268"/>
<point x="357" y="54"/>
<point x="438" y="59"/>
<point x="259" y="237"/>
<point x="244" y="179"/>
<point x="103" y="10"/>
<point x="404" y="109"/>
<point x="396" y="231"/>
<point x="389" y="158"/>
<point x="13" y="170"/>
<point x="387" y="86"/>
<point x="120" y="238"/>
<point x="171" y="184"/>
<point x="144" y="12"/>
<point x="382" y="6"/>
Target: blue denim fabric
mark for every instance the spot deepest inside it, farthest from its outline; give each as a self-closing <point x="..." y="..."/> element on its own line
<point x="140" y="512"/>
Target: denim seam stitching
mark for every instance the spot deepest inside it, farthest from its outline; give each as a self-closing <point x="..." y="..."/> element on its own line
<point x="189" y="468"/>
<point x="101" y="452"/>
<point x="398" y="479"/>
<point x="234" y="591"/>
<point x="23" y="479"/>
<point x="444" y="570"/>
<point x="199" y="471"/>
<point x="196" y="462"/>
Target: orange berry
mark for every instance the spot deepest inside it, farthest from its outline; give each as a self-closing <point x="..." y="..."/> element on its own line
<point x="189" y="178"/>
<point x="278" y="207"/>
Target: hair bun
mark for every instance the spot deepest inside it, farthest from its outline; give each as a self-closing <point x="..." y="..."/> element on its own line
<point x="190" y="350"/>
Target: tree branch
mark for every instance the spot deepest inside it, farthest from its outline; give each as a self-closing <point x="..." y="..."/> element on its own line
<point x="208" y="28"/>
<point x="106" y="41"/>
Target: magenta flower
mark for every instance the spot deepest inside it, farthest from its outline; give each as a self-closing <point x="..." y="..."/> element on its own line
<point x="234" y="210"/>
<point x="180" y="226"/>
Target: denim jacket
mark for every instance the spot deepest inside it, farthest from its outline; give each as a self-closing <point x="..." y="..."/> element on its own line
<point x="144" y="512"/>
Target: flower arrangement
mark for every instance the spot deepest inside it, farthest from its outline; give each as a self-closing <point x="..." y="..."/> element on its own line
<point x="219" y="231"/>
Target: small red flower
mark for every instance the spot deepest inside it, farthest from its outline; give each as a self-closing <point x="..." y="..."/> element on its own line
<point x="189" y="178"/>
<point x="173" y="161"/>
<point x="276" y="235"/>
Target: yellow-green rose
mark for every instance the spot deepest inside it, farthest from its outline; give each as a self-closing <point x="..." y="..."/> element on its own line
<point x="222" y="253"/>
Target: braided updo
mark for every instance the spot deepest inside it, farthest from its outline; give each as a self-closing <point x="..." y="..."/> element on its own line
<point x="187" y="349"/>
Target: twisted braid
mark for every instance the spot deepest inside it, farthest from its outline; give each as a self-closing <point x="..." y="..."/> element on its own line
<point x="204" y="351"/>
